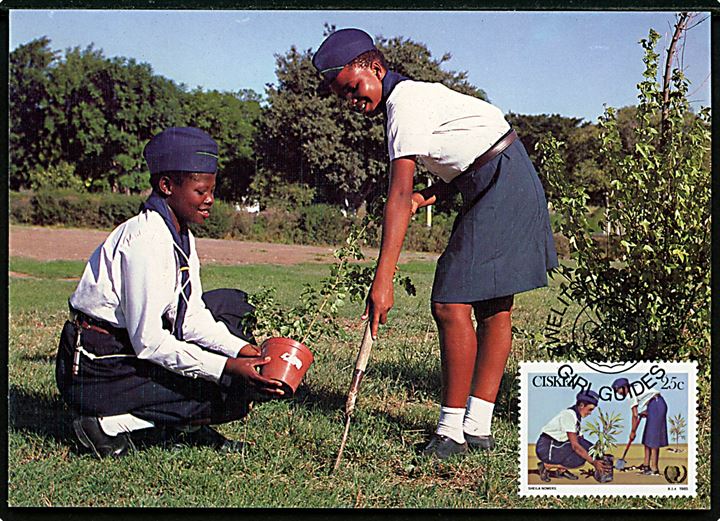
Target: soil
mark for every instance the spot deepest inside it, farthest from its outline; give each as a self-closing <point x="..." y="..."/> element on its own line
<point x="78" y="244"/>
<point x="629" y="476"/>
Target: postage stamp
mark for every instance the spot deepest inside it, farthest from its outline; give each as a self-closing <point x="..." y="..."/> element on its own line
<point x="608" y="429"/>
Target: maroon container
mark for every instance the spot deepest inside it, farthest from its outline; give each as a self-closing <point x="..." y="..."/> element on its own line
<point x="289" y="362"/>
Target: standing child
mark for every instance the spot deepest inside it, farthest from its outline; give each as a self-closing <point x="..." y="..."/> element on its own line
<point x="652" y="406"/>
<point x="142" y="348"/>
<point x="501" y="242"/>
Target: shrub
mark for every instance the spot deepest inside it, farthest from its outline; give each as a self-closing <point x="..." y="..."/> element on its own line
<point x="321" y="224"/>
<point x="21" y="209"/>
<point x="60" y="176"/>
<point x="653" y="303"/>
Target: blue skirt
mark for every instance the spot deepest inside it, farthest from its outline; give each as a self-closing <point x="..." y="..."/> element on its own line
<point x="655" y="434"/>
<point x="503" y="243"/>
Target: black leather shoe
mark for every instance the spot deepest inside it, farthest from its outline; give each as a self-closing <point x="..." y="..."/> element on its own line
<point x="91" y="436"/>
<point x="443" y="447"/>
<point x="205" y="436"/>
<point x="480" y="442"/>
<point x="544" y="474"/>
<point x="567" y="475"/>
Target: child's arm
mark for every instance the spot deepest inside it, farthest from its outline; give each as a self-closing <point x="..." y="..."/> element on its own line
<point x="396" y="217"/>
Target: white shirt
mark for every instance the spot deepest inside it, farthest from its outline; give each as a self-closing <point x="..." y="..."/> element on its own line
<point x="132" y="280"/>
<point x="641" y="400"/>
<point x="445" y="129"/>
<point x="557" y="428"/>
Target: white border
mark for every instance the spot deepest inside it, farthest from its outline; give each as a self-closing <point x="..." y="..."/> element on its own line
<point x="609" y="489"/>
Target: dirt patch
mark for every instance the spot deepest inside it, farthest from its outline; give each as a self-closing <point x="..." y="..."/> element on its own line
<point x="78" y="244"/>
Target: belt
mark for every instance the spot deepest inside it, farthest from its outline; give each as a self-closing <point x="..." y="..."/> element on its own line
<point x="86" y="322"/>
<point x="491" y="153"/>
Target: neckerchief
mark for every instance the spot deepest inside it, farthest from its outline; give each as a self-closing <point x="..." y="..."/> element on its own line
<point x="577" y="418"/>
<point x="389" y="82"/>
<point x="182" y="245"/>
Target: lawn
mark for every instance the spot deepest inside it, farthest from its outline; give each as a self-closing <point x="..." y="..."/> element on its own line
<point x="291" y="444"/>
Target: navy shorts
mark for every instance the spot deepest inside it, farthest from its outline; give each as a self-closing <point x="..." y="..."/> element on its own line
<point x="106" y="387"/>
<point x="554" y="452"/>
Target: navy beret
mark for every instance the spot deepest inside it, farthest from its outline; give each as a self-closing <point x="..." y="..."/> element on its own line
<point x="588" y="396"/>
<point x="339" y="49"/>
<point x="620" y="382"/>
<point x="181" y="149"/>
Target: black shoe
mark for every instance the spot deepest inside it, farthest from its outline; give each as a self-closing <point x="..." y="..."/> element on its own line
<point x="91" y="436"/>
<point x="544" y="475"/>
<point x="443" y="447"/>
<point x="480" y="442"/>
<point x="567" y="475"/>
<point x="649" y="472"/>
<point x="205" y="436"/>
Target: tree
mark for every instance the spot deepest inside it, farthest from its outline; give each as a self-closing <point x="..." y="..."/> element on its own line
<point x="305" y="138"/>
<point x="654" y="302"/>
<point x="230" y="118"/>
<point x="30" y="66"/>
<point x="677" y="429"/>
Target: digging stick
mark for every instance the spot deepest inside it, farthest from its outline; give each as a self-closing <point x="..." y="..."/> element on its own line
<point x="360" y="365"/>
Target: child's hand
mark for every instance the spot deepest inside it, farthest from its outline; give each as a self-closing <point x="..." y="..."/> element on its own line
<point x="379" y="302"/>
<point x="418" y="201"/>
<point x="249" y="350"/>
<point x="245" y="367"/>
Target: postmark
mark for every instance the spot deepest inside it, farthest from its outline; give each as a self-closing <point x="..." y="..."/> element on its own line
<point x="576" y="413"/>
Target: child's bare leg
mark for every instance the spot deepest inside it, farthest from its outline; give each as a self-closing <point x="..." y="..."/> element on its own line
<point x="646" y="460"/>
<point x="458" y="348"/>
<point x="655" y="459"/>
<point x="494" y="336"/>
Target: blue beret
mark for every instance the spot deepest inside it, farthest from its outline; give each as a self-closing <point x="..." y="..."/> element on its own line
<point x="181" y="149"/>
<point x="339" y="49"/>
<point x="588" y="396"/>
<point x="620" y="382"/>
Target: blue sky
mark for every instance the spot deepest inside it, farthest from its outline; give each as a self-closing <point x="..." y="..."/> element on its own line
<point x="545" y="402"/>
<point x="569" y="63"/>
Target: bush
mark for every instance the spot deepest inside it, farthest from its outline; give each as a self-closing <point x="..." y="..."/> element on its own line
<point x="321" y="224"/>
<point x="21" y="209"/>
<point x="654" y="303"/>
<point x="56" y="177"/>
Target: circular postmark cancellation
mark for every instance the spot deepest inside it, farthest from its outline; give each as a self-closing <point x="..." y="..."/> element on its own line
<point x="595" y="331"/>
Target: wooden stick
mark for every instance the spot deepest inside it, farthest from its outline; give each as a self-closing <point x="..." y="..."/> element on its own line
<point x="358" y="373"/>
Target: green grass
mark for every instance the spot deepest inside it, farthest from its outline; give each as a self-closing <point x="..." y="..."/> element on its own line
<point x="291" y="444"/>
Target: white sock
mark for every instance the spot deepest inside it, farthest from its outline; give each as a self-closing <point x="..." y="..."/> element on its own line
<point x="114" y="425"/>
<point x="450" y="423"/>
<point x="478" y="417"/>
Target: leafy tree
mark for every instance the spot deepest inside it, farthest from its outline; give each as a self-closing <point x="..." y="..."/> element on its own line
<point x="305" y="138"/>
<point x="653" y="303"/>
<point x="230" y="118"/>
<point x="90" y="117"/>
<point x="30" y="65"/>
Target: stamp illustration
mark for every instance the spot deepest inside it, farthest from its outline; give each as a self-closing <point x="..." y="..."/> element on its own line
<point x="608" y="429"/>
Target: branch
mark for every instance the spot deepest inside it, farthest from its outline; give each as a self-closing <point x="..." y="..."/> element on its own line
<point x="680" y="27"/>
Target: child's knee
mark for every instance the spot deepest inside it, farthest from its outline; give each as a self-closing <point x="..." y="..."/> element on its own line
<point x="445" y="313"/>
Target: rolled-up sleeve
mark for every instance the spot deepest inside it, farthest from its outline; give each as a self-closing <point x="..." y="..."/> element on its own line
<point x="147" y="291"/>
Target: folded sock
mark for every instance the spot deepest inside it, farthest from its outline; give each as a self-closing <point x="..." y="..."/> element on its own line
<point x="450" y="423"/>
<point x="478" y="417"/>
<point x="114" y="425"/>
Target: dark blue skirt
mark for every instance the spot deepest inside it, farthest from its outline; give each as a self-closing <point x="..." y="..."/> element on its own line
<point x="655" y="433"/>
<point x="502" y="244"/>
